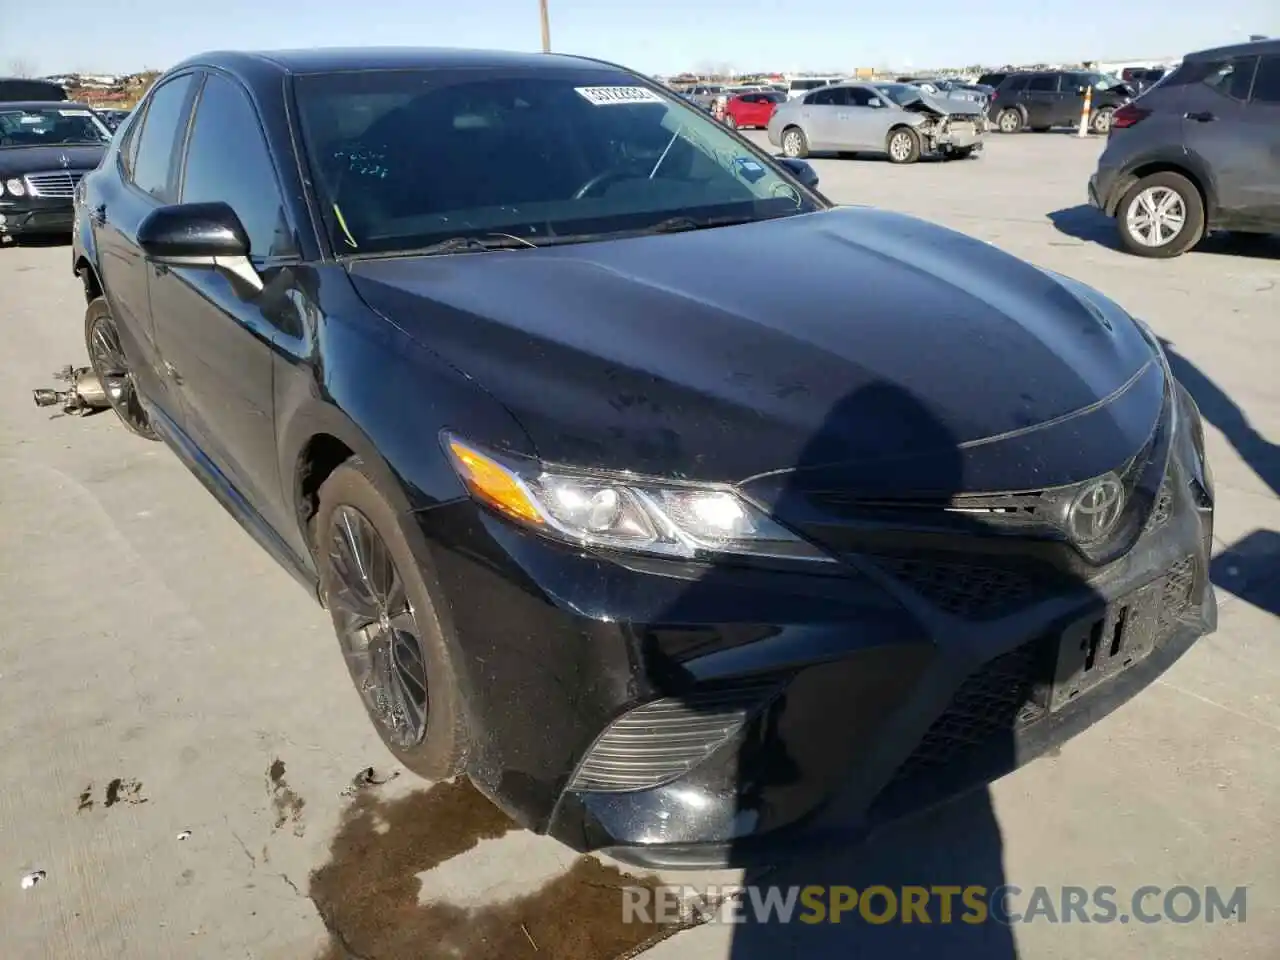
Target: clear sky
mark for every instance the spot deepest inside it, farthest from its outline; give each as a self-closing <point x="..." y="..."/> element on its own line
<point x="654" y="36"/>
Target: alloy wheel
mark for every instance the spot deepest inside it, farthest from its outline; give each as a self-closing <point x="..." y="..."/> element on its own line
<point x="107" y="359"/>
<point x="791" y="143"/>
<point x="377" y="628"/>
<point x="1010" y="121"/>
<point x="1102" y="121"/>
<point x="1156" y="216"/>
<point x="900" y="146"/>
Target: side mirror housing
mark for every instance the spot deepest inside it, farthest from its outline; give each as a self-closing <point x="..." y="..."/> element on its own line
<point x="802" y="170"/>
<point x="199" y="235"/>
<point x="188" y="230"/>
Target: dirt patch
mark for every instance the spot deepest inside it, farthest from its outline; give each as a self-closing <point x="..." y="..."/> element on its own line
<point x="368" y="893"/>
<point x="288" y="806"/>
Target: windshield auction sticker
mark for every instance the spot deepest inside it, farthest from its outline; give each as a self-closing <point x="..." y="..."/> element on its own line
<point x="607" y="96"/>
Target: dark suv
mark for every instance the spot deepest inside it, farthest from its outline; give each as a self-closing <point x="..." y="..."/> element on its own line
<point x="1055" y="98"/>
<point x="1196" y="152"/>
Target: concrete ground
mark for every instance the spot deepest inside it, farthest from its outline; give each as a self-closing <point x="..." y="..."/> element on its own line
<point x="182" y="748"/>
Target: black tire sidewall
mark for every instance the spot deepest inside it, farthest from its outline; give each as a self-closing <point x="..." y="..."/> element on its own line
<point x="442" y="752"/>
<point x="1192" y="229"/>
<point x="96" y="310"/>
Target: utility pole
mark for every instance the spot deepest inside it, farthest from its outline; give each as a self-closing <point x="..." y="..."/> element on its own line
<point x="546" y="26"/>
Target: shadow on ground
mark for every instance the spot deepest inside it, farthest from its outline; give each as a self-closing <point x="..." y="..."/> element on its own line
<point x="1083" y="222"/>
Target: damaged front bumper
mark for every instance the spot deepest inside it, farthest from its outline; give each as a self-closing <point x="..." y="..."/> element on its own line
<point x="952" y="134"/>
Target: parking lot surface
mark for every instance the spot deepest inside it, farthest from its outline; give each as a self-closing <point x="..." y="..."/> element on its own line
<point x="186" y="763"/>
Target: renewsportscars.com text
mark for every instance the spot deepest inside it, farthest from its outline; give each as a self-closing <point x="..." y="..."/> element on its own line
<point x="938" y="904"/>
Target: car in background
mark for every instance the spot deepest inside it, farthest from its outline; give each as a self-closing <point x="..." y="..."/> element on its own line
<point x="704" y="94"/>
<point x="18" y="89"/>
<point x="752" y="109"/>
<point x="46" y="147"/>
<point x="1142" y="79"/>
<point x="1196" y="152"/>
<point x="1055" y="98"/>
<point x="465" y="341"/>
<point x="113" y="117"/>
<point x="895" y="119"/>
<point x="798" y="86"/>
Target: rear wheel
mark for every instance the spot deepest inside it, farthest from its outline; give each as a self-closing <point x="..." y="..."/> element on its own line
<point x="1100" y="122"/>
<point x="794" y="143"/>
<point x="391" y="639"/>
<point x="110" y="366"/>
<point x="903" y="145"/>
<point x="729" y="122"/>
<point x="1009" y="120"/>
<point x="1161" y="216"/>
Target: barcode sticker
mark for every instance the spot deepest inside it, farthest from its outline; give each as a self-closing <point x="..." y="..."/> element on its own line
<point x="607" y="96"/>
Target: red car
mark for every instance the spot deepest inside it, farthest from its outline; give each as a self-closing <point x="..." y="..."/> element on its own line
<point x="752" y="109"/>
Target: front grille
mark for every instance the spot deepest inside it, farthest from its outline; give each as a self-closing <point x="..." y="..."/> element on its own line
<point x="57" y="184"/>
<point x="664" y="739"/>
<point x="1012" y="691"/>
<point x="966" y="590"/>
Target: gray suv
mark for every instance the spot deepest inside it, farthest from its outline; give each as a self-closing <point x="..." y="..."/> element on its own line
<point x="1199" y="151"/>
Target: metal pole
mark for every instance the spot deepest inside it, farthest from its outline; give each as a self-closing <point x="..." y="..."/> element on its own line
<point x="546" y="26"/>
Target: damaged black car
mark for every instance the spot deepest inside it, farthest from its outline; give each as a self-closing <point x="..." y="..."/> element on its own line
<point x="671" y="560"/>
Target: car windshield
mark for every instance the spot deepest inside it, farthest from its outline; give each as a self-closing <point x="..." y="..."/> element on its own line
<point x="406" y="159"/>
<point x="41" y="126"/>
<point x="899" y="93"/>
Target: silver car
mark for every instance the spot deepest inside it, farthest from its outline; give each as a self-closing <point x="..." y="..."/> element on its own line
<point x="892" y="118"/>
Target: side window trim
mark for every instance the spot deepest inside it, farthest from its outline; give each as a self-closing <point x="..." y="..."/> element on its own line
<point x="276" y="181"/>
<point x="140" y="126"/>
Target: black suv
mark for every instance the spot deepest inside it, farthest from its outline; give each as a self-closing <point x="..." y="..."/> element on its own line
<point x="1055" y="98"/>
<point x="1196" y="152"/>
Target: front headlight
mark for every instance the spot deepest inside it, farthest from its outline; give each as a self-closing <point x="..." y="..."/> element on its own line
<point x="623" y="512"/>
<point x="15" y="187"/>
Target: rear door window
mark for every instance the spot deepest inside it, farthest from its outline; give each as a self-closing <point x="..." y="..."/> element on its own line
<point x="1043" y="83"/>
<point x="1231" y="78"/>
<point x="1018" y="83"/>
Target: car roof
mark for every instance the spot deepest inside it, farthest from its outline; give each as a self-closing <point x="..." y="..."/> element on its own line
<point x="1235" y="50"/>
<point x="44" y="105"/>
<point x="339" y="59"/>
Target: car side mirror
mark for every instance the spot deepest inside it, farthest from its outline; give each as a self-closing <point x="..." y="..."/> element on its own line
<point x="199" y="235"/>
<point x="802" y="170"/>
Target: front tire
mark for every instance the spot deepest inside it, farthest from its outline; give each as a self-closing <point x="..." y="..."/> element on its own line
<point x="903" y="145"/>
<point x="1161" y="216"/>
<point x="387" y="625"/>
<point x="111" y="367"/>
<point x="1009" y="121"/>
<point x="729" y="122"/>
<point x="794" y="143"/>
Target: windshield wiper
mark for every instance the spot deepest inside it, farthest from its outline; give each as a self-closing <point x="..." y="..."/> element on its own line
<point x="480" y="244"/>
<point x="681" y="224"/>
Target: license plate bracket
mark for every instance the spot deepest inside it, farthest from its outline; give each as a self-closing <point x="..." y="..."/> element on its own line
<point x="1094" y="649"/>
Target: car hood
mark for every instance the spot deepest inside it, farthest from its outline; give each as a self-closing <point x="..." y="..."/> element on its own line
<point x="943" y="104"/>
<point x="15" y="161"/>
<point x="863" y="338"/>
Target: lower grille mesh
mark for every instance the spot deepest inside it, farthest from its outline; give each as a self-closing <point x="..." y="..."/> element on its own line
<point x="961" y="588"/>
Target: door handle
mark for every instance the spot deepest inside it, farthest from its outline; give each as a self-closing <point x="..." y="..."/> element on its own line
<point x="1204" y="116"/>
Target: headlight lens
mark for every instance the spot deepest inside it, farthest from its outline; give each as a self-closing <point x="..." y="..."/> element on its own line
<point x="15" y="187"/>
<point x="623" y="512"/>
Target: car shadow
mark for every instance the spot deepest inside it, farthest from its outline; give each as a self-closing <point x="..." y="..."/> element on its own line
<point x="1083" y="222"/>
<point x="41" y="240"/>
<point x="1249" y="568"/>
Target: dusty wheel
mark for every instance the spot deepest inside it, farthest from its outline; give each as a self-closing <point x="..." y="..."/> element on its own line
<point x="1161" y="216"/>
<point x="1100" y="122"/>
<point x="1009" y="120"/>
<point x="903" y="145"/>
<point x="387" y="626"/>
<point x="794" y="143"/>
<point x="111" y="367"/>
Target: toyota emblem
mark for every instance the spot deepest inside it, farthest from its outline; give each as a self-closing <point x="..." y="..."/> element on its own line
<point x="1095" y="510"/>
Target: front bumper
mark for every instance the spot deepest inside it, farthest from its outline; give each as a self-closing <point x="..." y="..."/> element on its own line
<point x="864" y="705"/>
<point x="21" y="216"/>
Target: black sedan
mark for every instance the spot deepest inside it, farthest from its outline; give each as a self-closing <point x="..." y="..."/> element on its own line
<point x="666" y="556"/>
<point x="45" y="148"/>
